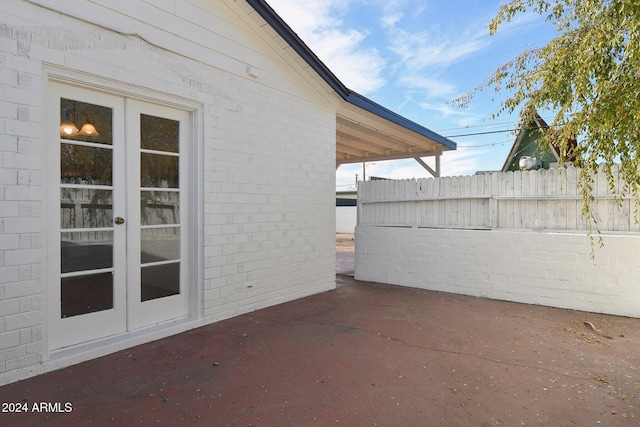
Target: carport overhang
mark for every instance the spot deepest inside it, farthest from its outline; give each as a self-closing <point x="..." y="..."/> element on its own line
<point x="365" y="130"/>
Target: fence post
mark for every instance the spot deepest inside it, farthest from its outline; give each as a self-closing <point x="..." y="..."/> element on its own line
<point x="493" y="213"/>
<point x="359" y="198"/>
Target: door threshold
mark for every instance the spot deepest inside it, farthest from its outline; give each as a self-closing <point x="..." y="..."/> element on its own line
<point x="72" y="355"/>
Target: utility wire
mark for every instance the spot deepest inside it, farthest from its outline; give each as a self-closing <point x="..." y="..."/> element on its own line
<point x="492" y="144"/>
<point x="442" y="131"/>
<point x="493" y="131"/>
<point x="487" y="133"/>
<point x="482" y="133"/>
<point x="474" y="126"/>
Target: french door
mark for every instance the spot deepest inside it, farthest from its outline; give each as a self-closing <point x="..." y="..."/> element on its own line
<point x="120" y="258"/>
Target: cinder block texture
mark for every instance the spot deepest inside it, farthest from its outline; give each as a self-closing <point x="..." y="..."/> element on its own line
<point x="545" y="268"/>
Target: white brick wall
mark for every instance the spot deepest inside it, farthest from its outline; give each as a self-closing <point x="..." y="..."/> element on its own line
<point x="552" y="269"/>
<point x="21" y="255"/>
<point x="346" y="219"/>
<point x="270" y="206"/>
<point x="267" y="152"/>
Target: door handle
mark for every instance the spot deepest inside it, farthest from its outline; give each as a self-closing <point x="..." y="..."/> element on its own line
<point x="119" y="220"/>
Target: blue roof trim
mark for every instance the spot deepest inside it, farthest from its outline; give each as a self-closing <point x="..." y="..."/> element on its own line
<point x="369" y="105"/>
<point x="281" y="27"/>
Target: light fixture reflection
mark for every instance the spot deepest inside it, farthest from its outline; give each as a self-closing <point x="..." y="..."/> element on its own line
<point x="68" y="128"/>
<point x="89" y="130"/>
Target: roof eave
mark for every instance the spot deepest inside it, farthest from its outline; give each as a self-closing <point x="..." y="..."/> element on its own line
<point x="377" y="109"/>
<point x="283" y="29"/>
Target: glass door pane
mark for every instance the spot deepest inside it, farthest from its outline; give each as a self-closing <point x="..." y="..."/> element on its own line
<point x="86" y="187"/>
<point x="86" y="208"/>
<point x="159" y="207"/>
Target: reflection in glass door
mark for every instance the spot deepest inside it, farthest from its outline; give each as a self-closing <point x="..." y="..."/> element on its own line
<point x="158" y="204"/>
<point x="86" y="193"/>
<point x="86" y="212"/>
<point x="160" y="207"/>
<point x="121" y="221"/>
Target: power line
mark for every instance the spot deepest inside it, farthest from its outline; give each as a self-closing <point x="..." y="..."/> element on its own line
<point x="483" y="133"/>
<point x="492" y="144"/>
<point x="474" y="126"/>
<point x="494" y="131"/>
<point x="441" y="131"/>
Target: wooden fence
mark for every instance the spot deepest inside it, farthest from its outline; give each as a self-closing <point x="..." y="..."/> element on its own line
<point x="539" y="200"/>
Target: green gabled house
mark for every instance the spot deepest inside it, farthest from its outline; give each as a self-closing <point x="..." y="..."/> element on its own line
<point x="529" y="151"/>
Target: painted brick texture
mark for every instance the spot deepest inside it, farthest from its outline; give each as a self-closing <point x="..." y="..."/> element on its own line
<point x="21" y="254"/>
<point x="546" y="268"/>
<point x="266" y="164"/>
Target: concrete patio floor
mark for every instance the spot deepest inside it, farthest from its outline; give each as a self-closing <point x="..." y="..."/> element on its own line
<point x="363" y="355"/>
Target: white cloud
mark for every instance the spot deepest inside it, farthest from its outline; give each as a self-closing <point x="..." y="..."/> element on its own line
<point x="446" y="110"/>
<point x="423" y="50"/>
<point x="430" y="85"/>
<point x="424" y="57"/>
<point x="319" y="25"/>
<point x="370" y="44"/>
<point x="463" y="161"/>
<point x="392" y="12"/>
<point x="308" y="16"/>
<point x="391" y="19"/>
<point x="400" y="169"/>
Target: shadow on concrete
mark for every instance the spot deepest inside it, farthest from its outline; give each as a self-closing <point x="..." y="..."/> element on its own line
<point x="345" y="263"/>
<point x="364" y="354"/>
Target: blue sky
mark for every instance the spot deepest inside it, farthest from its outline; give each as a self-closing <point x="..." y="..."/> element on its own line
<point x="414" y="57"/>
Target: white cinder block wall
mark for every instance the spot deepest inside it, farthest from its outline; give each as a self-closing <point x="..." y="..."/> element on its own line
<point x="263" y="188"/>
<point x="346" y="219"/>
<point x="546" y="268"/>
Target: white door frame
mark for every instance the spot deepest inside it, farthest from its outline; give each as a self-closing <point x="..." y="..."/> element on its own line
<point x="57" y="78"/>
<point x="147" y="313"/>
<point x="100" y="324"/>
